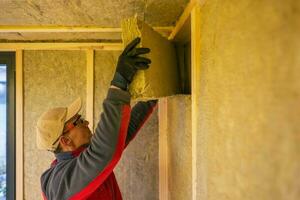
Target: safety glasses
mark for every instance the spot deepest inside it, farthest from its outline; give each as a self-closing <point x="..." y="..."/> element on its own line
<point x="71" y="125"/>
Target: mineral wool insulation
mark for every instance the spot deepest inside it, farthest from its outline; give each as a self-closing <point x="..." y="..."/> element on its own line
<point x="162" y="78"/>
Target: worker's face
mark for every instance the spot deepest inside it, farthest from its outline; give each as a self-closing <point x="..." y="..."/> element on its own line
<point x="76" y="136"/>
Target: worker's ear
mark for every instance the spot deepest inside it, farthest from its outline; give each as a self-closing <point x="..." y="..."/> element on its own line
<point x="65" y="141"/>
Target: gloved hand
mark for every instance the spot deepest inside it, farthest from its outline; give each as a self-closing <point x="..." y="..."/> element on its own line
<point x="128" y="63"/>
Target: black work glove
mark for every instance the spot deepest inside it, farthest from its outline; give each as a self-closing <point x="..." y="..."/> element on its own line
<point x="128" y="63"/>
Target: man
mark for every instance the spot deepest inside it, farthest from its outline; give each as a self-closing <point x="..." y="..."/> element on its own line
<point x="84" y="163"/>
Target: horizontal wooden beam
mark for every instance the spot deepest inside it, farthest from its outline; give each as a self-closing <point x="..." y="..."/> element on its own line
<point x="164" y="30"/>
<point x="56" y="29"/>
<point x="184" y="16"/>
<point x="61" y="46"/>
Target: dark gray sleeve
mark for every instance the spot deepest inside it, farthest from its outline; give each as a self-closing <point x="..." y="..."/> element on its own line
<point x="139" y="115"/>
<point x="93" y="166"/>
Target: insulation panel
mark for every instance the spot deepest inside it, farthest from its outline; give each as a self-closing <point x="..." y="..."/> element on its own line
<point x="162" y="78"/>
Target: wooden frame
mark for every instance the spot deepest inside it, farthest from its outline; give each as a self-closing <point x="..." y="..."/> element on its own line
<point x="90" y="88"/>
<point x="193" y="9"/>
<point x="20" y="101"/>
<point x="163" y="149"/>
<point x="164" y="30"/>
<point x="186" y="13"/>
<point x="69" y="29"/>
<point x="196" y="134"/>
<point x="56" y="29"/>
<point x="184" y="16"/>
<point x="19" y="126"/>
<point x="60" y="46"/>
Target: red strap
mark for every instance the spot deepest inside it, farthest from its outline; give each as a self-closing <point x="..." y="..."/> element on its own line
<point x="54" y="162"/>
<point x="44" y="196"/>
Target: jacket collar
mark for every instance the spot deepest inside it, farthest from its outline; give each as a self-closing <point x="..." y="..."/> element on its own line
<point x="68" y="154"/>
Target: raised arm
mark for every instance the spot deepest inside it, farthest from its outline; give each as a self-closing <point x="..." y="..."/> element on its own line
<point x="94" y="165"/>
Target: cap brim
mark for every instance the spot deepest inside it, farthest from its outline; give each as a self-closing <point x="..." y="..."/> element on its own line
<point x="73" y="108"/>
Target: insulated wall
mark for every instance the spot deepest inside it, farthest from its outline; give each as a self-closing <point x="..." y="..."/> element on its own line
<point x="51" y="79"/>
<point x="249" y="100"/>
<point x="55" y="79"/>
<point x="137" y="171"/>
<point x="180" y="147"/>
<point x="175" y="147"/>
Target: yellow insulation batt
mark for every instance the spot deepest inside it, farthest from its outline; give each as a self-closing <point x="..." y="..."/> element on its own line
<point x="162" y="78"/>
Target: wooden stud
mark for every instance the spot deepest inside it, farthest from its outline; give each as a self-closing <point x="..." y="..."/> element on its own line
<point x="198" y="151"/>
<point x="186" y="13"/>
<point x="19" y="125"/>
<point x="163" y="149"/>
<point x="184" y="16"/>
<point x="90" y="88"/>
<point x="61" y="46"/>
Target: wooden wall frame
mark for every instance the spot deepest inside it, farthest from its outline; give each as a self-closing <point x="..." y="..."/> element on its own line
<point x="90" y="88"/>
<point x="198" y="151"/>
<point x="182" y="19"/>
<point x="163" y="160"/>
<point x="19" y="126"/>
<point x="163" y="30"/>
<point x="61" y="46"/>
<point x="193" y="10"/>
<point x="20" y="96"/>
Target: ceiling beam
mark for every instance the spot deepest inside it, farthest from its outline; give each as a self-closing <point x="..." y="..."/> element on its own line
<point x="164" y="30"/>
<point x="57" y="29"/>
<point x="182" y="19"/>
<point x="61" y="46"/>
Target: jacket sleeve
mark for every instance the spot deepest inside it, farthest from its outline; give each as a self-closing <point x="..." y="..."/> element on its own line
<point x="94" y="165"/>
<point x="139" y="115"/>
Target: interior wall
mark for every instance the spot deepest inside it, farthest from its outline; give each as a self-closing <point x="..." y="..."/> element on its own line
<point x="249" y="99"/>
<point x="56" y="78"/>
<point x="179" y="145"/>
<point x="105" y="65"/>
<point x="51" y="79"/>
<point x="137" y="172"/>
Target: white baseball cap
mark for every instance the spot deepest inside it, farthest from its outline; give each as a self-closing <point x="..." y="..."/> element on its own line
<point x="51" y="123"/>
